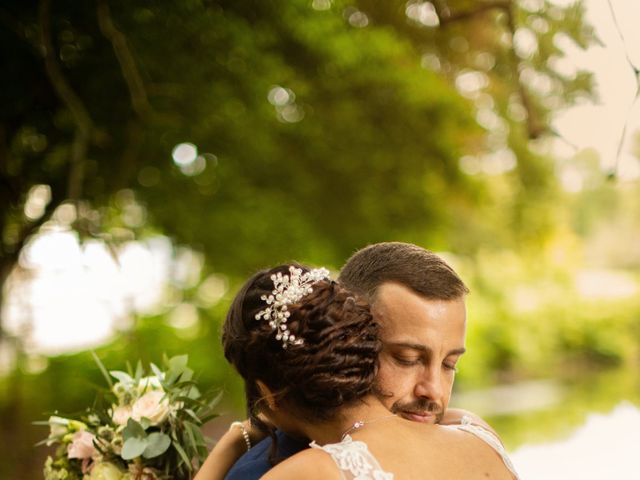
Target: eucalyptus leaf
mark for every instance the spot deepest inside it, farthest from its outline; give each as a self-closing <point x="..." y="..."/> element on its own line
<point x="133" y="430"/>
<point x="179" y="362"/>
<point x="194" y="393"/>
<point x="171" y="378"/>
<point x="157" y="444"/>
<point x="145" y="423"/>
<point x="187" y="374"/>
<point x="133" y="447"/>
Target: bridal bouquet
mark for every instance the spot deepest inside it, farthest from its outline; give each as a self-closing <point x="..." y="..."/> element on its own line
<point x="145" y="427"/>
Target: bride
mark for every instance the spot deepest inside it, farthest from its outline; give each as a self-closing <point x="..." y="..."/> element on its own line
<point x="308" y="352"/>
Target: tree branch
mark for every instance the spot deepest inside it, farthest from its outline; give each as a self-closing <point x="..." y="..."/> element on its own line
<point x="636" y="73"/>
<point x="83" y="122"/>
<point x="446" y="16"/>
<point x="130" y="72"/>
<point x="534" y="127"/>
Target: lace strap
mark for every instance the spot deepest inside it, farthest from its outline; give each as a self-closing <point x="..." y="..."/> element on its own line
<point x="488" y="437"/>
<point x="354" y="460"/>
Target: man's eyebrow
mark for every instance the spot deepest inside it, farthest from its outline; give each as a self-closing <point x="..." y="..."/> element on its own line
<point x="457" y="351"/>
<point x="412" y="346"/>
<point x="424" y="348"/>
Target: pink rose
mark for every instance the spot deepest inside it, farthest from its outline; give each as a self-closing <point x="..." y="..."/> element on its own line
<point x="121" y="414"/>
<point x="152" y="406"/>
<point x="81" y="445"/>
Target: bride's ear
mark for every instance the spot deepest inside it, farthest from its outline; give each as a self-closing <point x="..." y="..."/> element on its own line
<point x="267" y="395"/>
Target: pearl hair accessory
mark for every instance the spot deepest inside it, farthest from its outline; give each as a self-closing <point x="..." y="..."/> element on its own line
<point x="288" y="289"/>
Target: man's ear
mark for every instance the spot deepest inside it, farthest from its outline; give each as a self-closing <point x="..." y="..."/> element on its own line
<point x="267" y="395"/>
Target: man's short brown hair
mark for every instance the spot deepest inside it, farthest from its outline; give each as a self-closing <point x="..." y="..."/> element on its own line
<point x="419" y="269"/>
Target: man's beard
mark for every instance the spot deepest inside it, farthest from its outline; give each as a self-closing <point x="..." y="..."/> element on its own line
<point x="421" y="405"/>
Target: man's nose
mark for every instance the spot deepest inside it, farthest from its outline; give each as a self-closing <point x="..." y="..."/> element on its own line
<point x="429" y="385"/>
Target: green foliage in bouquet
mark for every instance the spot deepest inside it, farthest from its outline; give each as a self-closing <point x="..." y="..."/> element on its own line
<point x="146" y="426"/>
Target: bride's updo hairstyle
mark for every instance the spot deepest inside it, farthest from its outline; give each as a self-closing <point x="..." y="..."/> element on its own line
<point x="334" y="366"/>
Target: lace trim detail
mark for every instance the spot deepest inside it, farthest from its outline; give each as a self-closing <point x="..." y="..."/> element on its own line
<point x="355" y="458"/>
<point x="489" y="438"/>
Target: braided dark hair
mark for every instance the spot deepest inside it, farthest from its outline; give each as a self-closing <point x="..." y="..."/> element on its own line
<point x="335" y="366"/>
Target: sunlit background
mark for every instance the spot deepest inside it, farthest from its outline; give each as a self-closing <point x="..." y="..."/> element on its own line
<point x="480" y="137"/>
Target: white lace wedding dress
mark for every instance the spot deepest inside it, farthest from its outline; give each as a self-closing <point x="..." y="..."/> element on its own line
<point x="356" y="462"/>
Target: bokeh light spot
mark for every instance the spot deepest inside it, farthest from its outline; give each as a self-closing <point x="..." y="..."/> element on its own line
<point x="184" y="154"/>
<point x="423" y="12"/>
<point x="37" y="200"/>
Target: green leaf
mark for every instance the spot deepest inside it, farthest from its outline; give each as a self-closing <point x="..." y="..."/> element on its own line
<point x="102" y="369"/>
<point x="190" y="436"/>
<point x="187" y="374"/>
<point x="158" y="373"/>
<point x="133" y="430"/>
<point x="121" y="376"/>
<point x="179" y="362"/>
<point x="186" y="387"/>
<point x="192" y="414"/>
<point x="133" y="447"/>
<point x="194" y="393"/>
<point x="157" y="444"/>
<point x="171" y="378"/>
<point x="145" y="423"/>
<point x="139" y="371"/>
<point x="216" y="397"/>
<point x="195" y="435"/>
<point x="204" y="419"/>
<point x="183" y="455"/>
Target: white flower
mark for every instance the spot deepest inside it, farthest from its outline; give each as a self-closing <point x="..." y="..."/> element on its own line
<point x="58" y="428"/>
<point x="120" y="415"/>
<point x="81" y="445"/>
<point x="105" y="471"/>
<point x="151" y="405"/>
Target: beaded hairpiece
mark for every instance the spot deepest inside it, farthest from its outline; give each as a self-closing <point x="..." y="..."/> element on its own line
<point x="288" y="289"/>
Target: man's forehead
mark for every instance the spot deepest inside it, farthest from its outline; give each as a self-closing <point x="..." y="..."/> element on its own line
<point x="394" y="299"/>
<point x="406" y="317"/>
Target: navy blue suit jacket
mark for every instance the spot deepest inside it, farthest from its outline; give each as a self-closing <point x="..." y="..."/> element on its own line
<point x="255" y="463"/>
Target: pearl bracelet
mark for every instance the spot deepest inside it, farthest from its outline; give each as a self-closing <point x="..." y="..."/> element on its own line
<point x="245" y="434"/>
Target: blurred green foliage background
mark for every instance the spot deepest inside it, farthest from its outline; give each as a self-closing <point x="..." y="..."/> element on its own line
<point x="308" y="129"/>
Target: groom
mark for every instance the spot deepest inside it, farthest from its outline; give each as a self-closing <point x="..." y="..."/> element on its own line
<point x="419" y="302"/>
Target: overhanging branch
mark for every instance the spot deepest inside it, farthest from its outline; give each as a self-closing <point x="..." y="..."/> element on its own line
<point x="534" y="127"/>
<point x="636" y="73"/>
<point x="130" y="72"/>
<point x="447" y="17"/>
<point x="80" y="115"/>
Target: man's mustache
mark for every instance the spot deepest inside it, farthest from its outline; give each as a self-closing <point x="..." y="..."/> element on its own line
<point x="418" y="406"/>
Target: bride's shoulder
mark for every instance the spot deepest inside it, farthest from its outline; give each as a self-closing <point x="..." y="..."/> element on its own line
<point x="458" y="416"/>
<point x="311" y="463"/>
